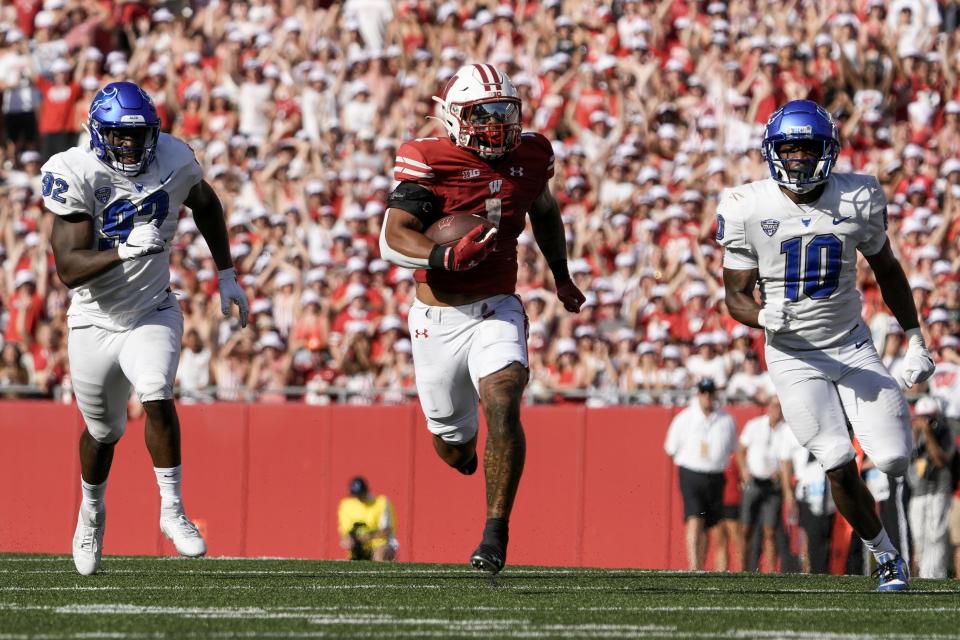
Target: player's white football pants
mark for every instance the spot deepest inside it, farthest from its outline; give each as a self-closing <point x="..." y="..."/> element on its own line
<point x="821" y="389"/>
<point x="103" y="365"/>
<point x="453" y="348"/>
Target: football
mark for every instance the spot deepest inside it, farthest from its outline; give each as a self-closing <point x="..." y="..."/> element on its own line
<point x="451" y="228"/>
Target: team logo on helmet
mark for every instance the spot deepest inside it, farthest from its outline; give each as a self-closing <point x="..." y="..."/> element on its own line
<point x="106" y="95"/>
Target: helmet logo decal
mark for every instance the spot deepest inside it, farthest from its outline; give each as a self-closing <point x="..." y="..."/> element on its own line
<point x="106" y="95"/>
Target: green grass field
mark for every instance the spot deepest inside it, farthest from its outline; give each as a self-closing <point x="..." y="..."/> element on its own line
<point x="133" y="598"/>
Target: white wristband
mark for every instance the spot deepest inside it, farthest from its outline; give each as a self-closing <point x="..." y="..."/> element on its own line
<point x="915" y="338"/>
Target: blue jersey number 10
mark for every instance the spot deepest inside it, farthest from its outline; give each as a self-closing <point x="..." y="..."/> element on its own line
<point x="822" y="274"/>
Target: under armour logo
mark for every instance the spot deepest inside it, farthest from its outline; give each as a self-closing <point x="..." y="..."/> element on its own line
<point x="516" y="171"/>
<point x="495" y="185"/>
<point x="420" y="333"/>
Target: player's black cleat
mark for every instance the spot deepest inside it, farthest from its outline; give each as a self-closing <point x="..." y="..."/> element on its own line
<point x="470" y="467"/>
<point x="489" y="558"/>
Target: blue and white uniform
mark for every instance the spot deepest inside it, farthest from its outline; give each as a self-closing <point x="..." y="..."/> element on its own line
<point x="125" y="325"/>
<point x="824" y="366"/>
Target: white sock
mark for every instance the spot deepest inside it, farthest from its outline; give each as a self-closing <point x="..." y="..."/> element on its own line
<point x="169" y="482"/>
<point x="92" y="501"/>
<point x="881" y="545"/>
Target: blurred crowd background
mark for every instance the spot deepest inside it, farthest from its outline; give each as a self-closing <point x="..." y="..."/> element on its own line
<point x="295" y="111"/>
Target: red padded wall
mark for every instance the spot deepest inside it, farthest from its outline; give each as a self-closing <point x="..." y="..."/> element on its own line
<point x="288" y="481"/>
<point x="265" y="480"/>
<point x="38" y="511"/>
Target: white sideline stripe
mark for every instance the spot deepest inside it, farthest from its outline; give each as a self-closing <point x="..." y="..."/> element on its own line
<point x="479" y="583"/>
<point x="320" y="572"/>
<point x="122" y="608"/>
<point x="312" y="566"/>
<point x="508" y="628"/>
<point x="569" y="632"/>
<point x="399" y="570"/>
<point x="316" y="587"/>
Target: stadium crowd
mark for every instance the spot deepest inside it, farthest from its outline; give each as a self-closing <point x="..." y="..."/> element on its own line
<point x="295" y="111"/>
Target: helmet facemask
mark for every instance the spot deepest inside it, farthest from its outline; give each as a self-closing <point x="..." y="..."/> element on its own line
<point x="490" y="128"/>
<point x="801" y="174"/>
<point x="128" y="150"/>
<point x="480" y="110"/>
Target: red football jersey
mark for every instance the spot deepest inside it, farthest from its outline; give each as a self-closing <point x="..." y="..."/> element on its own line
<point x="500" y="190"/>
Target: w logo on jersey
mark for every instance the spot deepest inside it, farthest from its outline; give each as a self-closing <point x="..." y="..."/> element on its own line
<point x="495" y="185"/>
<point x="770" y="226"/>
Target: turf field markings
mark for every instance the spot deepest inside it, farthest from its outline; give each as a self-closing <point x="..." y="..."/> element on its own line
<point x="312" y="587"/>
<point x="11" y="606"/>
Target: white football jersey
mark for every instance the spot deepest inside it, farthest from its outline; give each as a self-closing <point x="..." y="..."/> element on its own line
<point x="75" y="181"/>
<point x="806" y="254"/>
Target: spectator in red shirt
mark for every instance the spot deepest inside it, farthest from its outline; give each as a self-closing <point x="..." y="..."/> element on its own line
<point x="59" y="94"/>
<point x="26" y="308"/>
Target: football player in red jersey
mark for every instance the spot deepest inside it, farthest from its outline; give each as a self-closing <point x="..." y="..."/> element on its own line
<point x="467" y="326"/>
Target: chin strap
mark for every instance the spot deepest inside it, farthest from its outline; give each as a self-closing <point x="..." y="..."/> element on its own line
<point x="801" y="188"/>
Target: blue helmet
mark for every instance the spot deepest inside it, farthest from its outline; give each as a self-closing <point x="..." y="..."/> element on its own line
<point x="124" y="105"/>
<point x="801" y="120"/>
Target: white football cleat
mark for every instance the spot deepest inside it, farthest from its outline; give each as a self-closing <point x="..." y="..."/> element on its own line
<point x="88" y="543"/>
<point x="183" y="533"/>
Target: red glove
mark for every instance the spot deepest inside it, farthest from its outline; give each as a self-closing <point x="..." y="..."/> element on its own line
<point x="570" y="296"/>
<point x="470" y="250"/>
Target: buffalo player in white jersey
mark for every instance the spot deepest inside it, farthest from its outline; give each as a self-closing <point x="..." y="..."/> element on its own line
<point x="798" y="235"/>
<point x="116" y="205"/>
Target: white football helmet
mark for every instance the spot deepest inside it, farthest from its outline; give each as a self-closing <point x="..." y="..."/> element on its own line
<point x="480" y="109"/>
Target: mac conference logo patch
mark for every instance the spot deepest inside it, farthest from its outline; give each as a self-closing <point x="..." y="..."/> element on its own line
<point x="102" y="194"/>
<point x="770" y="226"/>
